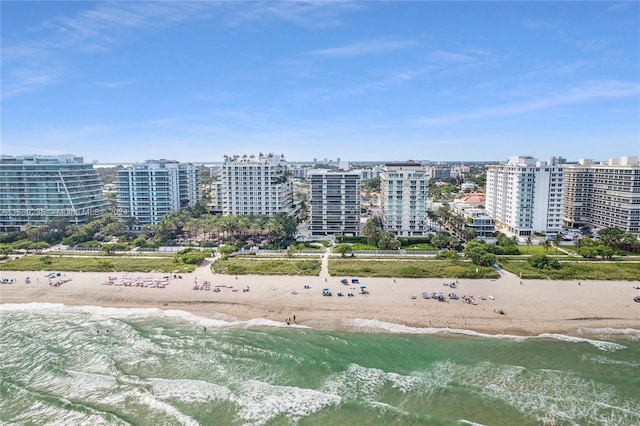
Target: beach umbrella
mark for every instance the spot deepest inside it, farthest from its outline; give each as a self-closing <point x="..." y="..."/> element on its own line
<point x="363" y="286"/>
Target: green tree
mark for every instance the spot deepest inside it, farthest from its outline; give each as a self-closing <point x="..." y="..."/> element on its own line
<point x="371" y="185"/>
<point x="371" y="231"/>
<point x="528" y="242"/>
<point x="5" y="251"/>
<point x="611" y="237"/>
<point x="541" y="261"/>
<point x="441" y="240"/>
<point x="343" y="249"/>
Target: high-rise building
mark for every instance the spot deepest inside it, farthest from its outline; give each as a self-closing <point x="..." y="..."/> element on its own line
<point x="150" y="190"/>
<point x="602" y="195"/>
<point x="253" y="186"/>
<point x="524" y="195"/>
<point x="334" y="202"/>
<point x="37" y="189"/>
<point x="403" y="196"/>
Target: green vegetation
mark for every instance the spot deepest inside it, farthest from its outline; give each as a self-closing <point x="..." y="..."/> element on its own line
<point x="419" y="247"/>
<point x="444" y="240"/>
<point x="343" y="249"/>
<point x="541" y="249"/>
<point x="479" y="253"/>
<point x="540" y="261"/>
<point x="409" y="269"/>
<point x="448" y="254"/>
<point x="94" y="264"/>
<point x="370" y="185"/>
<point x="576" y="270"/>
<point x="242" y="266"/>
<point x="360" y="246"/>
<point x="191" y="256"/>
<point x="227" y="250"/>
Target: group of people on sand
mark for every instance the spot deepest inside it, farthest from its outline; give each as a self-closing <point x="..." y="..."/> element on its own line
<point x="290" y="321"/>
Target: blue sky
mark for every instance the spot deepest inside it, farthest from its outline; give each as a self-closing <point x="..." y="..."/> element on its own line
<point x="193" y="81"/>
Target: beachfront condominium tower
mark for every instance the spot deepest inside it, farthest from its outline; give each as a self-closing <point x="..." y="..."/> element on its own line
<point x="334" y="202"/>
<point x="148" y="191"/>
<point x="37" y="189"/>
<point x="403" y="196"/>
<point x="603" y="194"/>
<point x="524" y="196"/>
<point x="254" y="186"/>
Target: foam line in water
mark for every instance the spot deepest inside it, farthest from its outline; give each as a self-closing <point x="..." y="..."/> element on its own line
<point x="601" y="359"/>
<point x="262" y="402"/>
<point x="186" y="390"/>
<point x="630" y="333"/>
<point x="375" y="325"/>
<point x="221" y="321"/>
<point x="600" y="344"/>
<point x="168" y="409"/>
<point x="469" y="422"/>
<point x="359" y="323"/>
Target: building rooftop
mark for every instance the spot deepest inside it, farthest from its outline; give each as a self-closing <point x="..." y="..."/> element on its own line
<point x="474" y="198"/>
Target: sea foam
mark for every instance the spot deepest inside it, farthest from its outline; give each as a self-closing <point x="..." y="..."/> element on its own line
<point x="375" y="325"/>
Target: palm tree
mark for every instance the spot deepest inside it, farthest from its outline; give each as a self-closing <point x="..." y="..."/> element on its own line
<point x="547" y="245"/>
<point x="557" y="240"/>
<point x="371" y="231"/>
<point x="528" y="242"/>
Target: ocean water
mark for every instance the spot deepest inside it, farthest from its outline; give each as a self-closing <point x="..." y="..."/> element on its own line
<point x="97" y="366"/>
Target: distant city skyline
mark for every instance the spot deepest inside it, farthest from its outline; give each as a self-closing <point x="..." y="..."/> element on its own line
<point x="125" y="82"/>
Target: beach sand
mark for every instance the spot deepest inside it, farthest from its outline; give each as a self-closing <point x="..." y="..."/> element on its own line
<point x="530" y="308"/>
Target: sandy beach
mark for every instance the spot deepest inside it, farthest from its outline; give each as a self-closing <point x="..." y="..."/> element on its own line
<point x="529" y="307"/>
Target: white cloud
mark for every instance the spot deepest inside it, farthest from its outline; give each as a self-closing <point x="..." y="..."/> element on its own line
<point x="112" y="84"/>
<point x="588" y="91"/>
<point x="21" y="80"/>
<point x="366" y="47"/>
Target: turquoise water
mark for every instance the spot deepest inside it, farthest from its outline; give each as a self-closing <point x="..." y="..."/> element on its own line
<point x="72" y="366"/>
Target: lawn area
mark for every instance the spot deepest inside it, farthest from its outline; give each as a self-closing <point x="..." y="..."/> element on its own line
<point x="540" y="250"/>
<point x="577" y="270"/>
<point x="421" y="246"/>
<point x="116" y="254"/>
<point x="409" y="269"/>
<point x="94" y="264"/>
<point x="360" y="246"/>
<point x="244" y="266"/>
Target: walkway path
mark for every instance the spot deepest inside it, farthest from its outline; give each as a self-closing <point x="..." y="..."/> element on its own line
<point x="324" y="268"/>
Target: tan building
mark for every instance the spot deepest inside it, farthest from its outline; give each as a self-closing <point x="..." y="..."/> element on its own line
<point x="603" y="195"/>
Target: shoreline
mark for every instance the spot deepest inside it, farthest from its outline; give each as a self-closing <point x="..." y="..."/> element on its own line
<point x="532" y="308"/>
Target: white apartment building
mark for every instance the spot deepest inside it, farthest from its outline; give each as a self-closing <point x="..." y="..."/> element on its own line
<point x="403" y="197"/>
<point x="36" y="189"/>
<point x="256" y="186"/>
<point x="334" y="202"/>
<point x="602" y="195"/>
<point x="150" y="190"/>
<point x="524" y="195"/>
